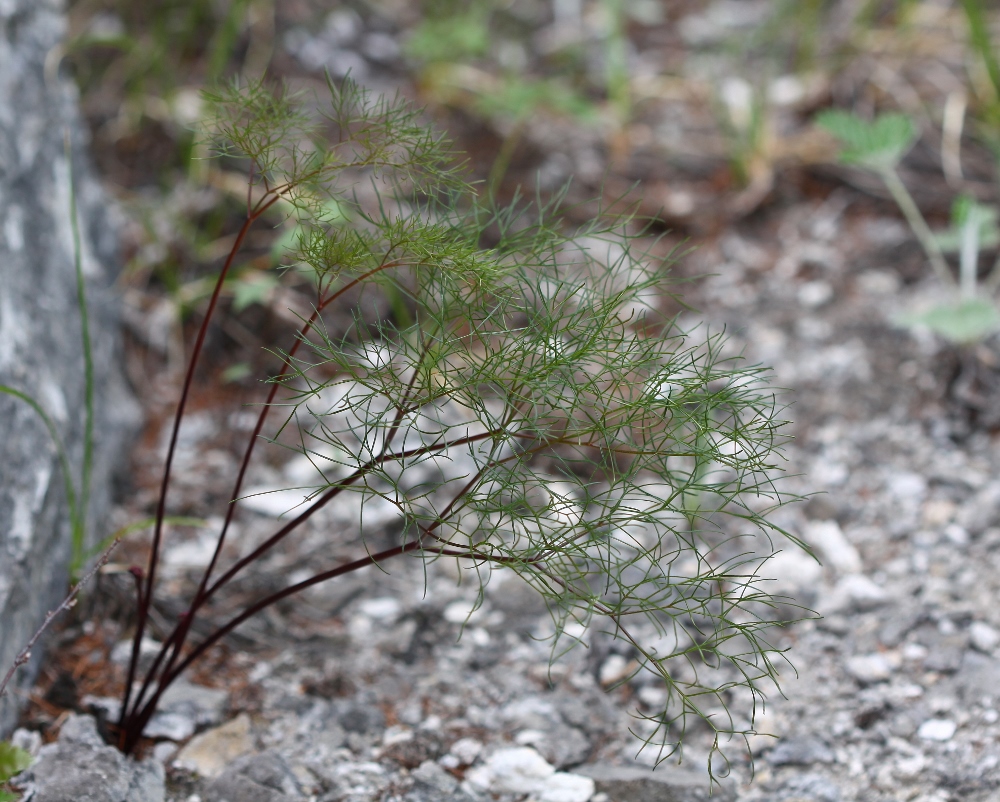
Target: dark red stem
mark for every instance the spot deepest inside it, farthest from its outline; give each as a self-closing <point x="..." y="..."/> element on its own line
<point x="146" y="595"/>
<point x="139" y="723"/>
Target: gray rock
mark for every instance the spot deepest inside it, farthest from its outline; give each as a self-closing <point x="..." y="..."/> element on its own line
<point x="811" y="787"/>
<point x="541" y="725"/>
<point x="431" y="783"/>
<point x="183" y="710"/>
<point x="353" y="782"/>
<point x="204" y="706"/>
<point x="944" y="652"/>
<point x="361" y="716"/>
<point x="263" y="777"/>
<point x="665" y="784"/>
<point x="80" y="767"/>
<point x="800" y="752"/>
<point x="563" y="746"/>
<point x="869" y="668"/>
<point x="978" y="677"/>
<point x="40" y="343"/>
<point x="420" y="747"/>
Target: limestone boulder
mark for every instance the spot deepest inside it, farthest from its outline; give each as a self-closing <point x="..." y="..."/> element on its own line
<point x="41" y="352"/>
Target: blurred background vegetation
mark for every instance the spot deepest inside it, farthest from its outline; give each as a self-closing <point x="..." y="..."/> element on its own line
<point x="701" y="112"/>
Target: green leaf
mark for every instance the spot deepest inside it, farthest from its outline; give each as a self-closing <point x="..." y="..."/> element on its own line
<point x="950" y="241"/>
<point x="519" y="98"/>
<point x="13" y="761"/>
<point x="235" y="373"/>
<point x="961" y="323"/>
<point x="877" y="145"/>
<point x="966" y="211"/>
<point x="252" y="289"/>
<point x="455" y="38"/>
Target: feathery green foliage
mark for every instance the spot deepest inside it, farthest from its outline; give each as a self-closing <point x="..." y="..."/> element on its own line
<point x="534" y="414"/>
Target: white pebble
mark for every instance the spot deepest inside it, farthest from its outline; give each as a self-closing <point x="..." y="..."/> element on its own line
<point x="835" y="548"/>
<point x="614" y="669"/>
<point x="519" y="770"/>
<point x="937" y="729"/>
<point x="385" y="608"/>
<point x="869" y="668"/>
<point x="466" y="750"/>
<point x="563" y="787"/>
<point x="983" y="636"/>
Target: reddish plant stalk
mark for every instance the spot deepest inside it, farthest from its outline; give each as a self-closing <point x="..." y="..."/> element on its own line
<point x="139" y="719"/>
<point x="146" y="596"/>
<point x="175" y="643"/>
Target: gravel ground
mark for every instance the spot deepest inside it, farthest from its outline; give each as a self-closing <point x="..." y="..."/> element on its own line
<point x="365" y="691"/>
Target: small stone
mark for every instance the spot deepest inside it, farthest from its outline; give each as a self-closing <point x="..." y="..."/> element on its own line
<point x="462" y="612"/>
<point x="414" y="748"/>
<point x="615" y="669"/>
<point x="202" y="704"/>
<point x="800" y="752"/>
<point x="255" y="778"/>
<point x="983" y="637"/>
<point x="635" y="784"/>
<point x="519" y="770"/>
<point x="559" y="744"/>
<point x="466" y="750"/>
<point x="945" y="652"/>
<point x="429" y="776"/>
<point x="786" y="90"/>
<point x="835" y="549"/>
<point x="360" y="716"/>
<point x="28" y="740"/>
<point x="937" y="729"/>
<point x="907" y="486"/>
<point x="342" y="26"/>
<point x="384" y="609"/>
<point x="121" y="654"/>
<point x="910" y="766"/>
<point x="380" y="47"/>
<point x="164" y="752"/>
<point x="869" y="668"/>
<point x="855" y="592"/>
<point x="82" y="768"/>
<point x="813" y="294"/>
<point x="210" y="752"/>
<point x="564" y="787"/>
<point x="957" y="535"/>
<point x="812" y="787"/>
<point x="791" y="571"/>
<point x="978" y="677"/>
<point x="356" y="782"/>
<point x="172" y="726"/>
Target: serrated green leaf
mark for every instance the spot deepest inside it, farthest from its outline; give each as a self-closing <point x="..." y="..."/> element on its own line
<point x="961" y="323"/>
<point x="13" y="760"/>
<point x="879" y="144"/>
